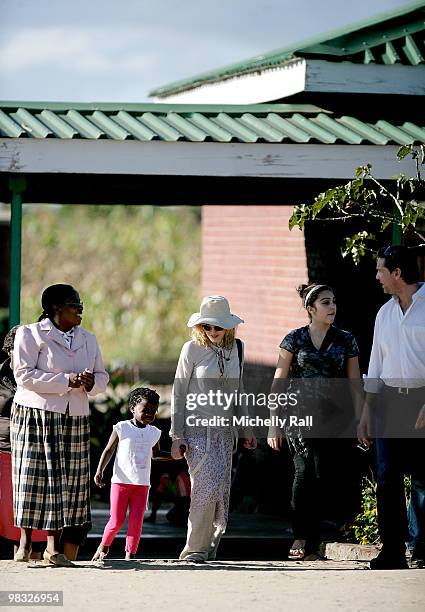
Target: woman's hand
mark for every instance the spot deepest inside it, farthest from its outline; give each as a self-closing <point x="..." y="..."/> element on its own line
<point x="87" y="379"/>
<point x="178" y="449"/>
<point x="98" y="478"/>
<point x="74" y="381"/>
<point x="250" y="443"/>
<point x="275" y="442"/>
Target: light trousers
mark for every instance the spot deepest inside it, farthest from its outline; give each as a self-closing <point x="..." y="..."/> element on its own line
<point x="125" y="496"/>
<point x="203" y="537"/>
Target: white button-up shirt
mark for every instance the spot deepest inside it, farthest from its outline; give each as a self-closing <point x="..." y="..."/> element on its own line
<point x="68" y="336"/>
<point x="398" y="351"/>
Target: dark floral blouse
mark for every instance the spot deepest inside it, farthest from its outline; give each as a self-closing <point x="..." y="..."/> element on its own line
<point x="308" y="362"/>
<point x="327" y="362"/>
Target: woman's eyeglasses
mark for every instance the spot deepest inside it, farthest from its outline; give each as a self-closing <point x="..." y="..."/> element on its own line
<point x="207" y="327"/>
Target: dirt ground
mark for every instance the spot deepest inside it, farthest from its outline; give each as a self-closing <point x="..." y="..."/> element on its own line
<point x="221" y="585"/>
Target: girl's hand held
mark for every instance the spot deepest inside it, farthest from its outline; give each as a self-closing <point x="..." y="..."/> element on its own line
<point x="250" y="443"/>
<point x="178" y="449"/>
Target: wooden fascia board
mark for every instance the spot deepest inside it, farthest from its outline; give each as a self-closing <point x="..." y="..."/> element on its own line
<point x="346" y="77"/>
<point x="103" y="157"/>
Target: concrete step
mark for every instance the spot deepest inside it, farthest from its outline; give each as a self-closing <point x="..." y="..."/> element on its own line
<point x="248" y="536"/>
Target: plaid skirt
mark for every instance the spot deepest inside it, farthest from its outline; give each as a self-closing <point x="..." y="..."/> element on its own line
<point x="50" y="468"/>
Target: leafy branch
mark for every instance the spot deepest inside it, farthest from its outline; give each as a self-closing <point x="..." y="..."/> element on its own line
<point x="377" y="205"/>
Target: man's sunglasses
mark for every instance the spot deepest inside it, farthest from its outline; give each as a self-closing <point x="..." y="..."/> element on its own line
<point x="393" y="250"/>
<point x="74" y="304"/>
<point x="207" y="327"/>
<point x="401" y="252"/>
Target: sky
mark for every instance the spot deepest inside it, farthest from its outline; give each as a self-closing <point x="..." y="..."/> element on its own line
<point x="119" y="50"/>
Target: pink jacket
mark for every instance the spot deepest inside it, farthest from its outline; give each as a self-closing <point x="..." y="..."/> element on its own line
<point x="42" y="363"/>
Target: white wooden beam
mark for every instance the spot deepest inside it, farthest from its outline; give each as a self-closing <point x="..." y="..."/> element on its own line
<point x="27" y="155"/>
<point x="253" y="88"/>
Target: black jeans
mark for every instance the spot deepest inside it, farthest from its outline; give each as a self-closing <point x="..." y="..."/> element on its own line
<point x="306" y="495"/>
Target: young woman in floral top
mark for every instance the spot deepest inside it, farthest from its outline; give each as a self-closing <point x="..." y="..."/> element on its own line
<point x="318" y="350"/>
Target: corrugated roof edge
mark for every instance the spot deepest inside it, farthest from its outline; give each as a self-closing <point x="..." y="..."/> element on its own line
<point x="160" y="108"/>
<point x="269" y="123"/>
<point x="278" y="55"/>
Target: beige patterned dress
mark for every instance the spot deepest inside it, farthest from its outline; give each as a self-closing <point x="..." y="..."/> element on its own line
<point x="209" y="448"/>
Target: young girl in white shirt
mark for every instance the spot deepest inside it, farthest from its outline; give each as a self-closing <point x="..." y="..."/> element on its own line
<point x="136" y="442"/>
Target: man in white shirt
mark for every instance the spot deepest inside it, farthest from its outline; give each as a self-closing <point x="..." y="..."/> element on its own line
<point x="395" y="402"/>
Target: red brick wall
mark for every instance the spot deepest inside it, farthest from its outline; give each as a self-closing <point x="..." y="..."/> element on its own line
<point x="250" y="256"/>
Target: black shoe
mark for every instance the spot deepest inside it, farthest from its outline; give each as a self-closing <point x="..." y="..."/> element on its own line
<point x="389" y="561"/>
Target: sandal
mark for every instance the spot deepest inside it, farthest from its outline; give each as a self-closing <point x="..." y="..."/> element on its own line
<point x="297" y="554"/>
<point x="22" y="555"/>
<point x="297" y="550"/>
<point x="194" y="558"/>
<point x="57" y="559"/>
<point x="99" y="555"/>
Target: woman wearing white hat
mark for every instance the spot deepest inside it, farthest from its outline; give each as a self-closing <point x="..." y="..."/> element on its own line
<point x="212" y="358"/>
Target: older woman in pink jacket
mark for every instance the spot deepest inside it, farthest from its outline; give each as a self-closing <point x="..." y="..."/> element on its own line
<point x="57" y="365"/>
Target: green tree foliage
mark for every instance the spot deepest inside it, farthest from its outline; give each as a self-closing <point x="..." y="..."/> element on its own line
<point x="137" y="269"/>
<point x="372" y="205"/>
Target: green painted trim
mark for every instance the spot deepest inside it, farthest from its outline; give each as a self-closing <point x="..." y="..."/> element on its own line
<point x="397" y="234"/>
<point x="412" y="51"/>
<point x="322" y="43"/>
<point x="354" y="43"/>
<point x="159" y="108"/>
<point x="17" y="186"/>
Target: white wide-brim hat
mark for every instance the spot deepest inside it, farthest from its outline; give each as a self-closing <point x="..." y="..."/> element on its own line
<point x="215" y="310"/>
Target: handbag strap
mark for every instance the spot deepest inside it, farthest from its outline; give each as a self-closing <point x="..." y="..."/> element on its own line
<point x="240" y="355"/>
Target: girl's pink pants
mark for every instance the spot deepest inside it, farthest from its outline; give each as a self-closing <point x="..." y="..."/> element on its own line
<point x="122" y="497"/>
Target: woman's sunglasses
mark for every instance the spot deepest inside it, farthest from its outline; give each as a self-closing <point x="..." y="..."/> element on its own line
<point x="207" y="327"/>
<point x="74" y="305"/>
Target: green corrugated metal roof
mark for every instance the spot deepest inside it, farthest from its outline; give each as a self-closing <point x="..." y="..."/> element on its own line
<point x="390" y="38"/>
<point x="272" y="123"/>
